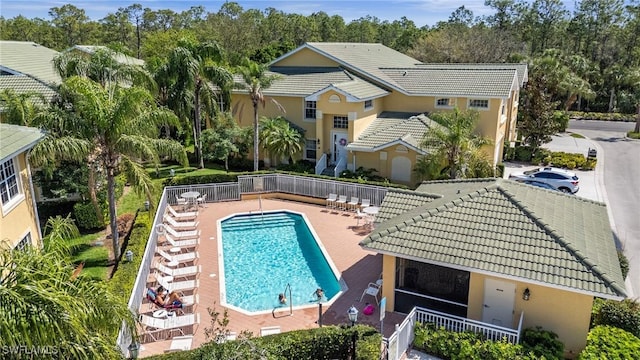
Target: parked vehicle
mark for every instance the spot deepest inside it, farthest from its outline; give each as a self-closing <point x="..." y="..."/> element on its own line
<point x="539" y="184"/>
<point x="559" y="179"/>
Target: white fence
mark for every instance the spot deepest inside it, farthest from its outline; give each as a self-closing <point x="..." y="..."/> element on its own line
<point x="291" y="184"/>
<point x="400" y="341"/>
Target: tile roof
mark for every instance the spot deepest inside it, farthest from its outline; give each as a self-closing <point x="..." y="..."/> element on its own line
<point x="502" y="227"/>
<point x="119" y="57"/>
<point x="22" y="84"/>
<point x="30" y="59"/>
<point x="455" y="82"/>
<point x="393" y="127"/>
<point x="16" y="139"/>
<point x="521" y="68"/>
<point x="304" y="81"/>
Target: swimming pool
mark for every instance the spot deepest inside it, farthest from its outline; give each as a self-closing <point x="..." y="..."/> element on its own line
<point x="263" y="253"/>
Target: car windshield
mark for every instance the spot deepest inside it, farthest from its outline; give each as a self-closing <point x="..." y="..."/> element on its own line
<point x="529" y="172"/>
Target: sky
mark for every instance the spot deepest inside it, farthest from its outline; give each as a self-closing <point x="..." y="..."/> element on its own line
<point x="421" y="12"/>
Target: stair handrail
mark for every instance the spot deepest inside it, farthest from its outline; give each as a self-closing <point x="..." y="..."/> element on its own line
<point x="340" y="166"/>
<point x="321" y="164"/>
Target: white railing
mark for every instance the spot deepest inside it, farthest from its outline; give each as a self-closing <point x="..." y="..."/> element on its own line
<point x="311" y="187"/>
<point x="321" y="164"/>
<point x="214" y="192"/>
<point x="340" y="167"/>
<point x="401" y="339"/>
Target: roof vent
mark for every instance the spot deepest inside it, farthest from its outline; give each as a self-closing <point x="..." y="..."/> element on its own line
<point x="404" y="73"/>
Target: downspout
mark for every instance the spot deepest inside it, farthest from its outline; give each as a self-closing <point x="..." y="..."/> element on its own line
<point x="33" y="202"/>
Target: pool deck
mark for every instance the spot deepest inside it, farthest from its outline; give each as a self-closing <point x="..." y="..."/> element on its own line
<point x="339" y="235"/>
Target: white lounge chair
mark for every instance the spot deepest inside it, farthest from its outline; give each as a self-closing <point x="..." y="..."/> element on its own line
<point x="155" y="326"/>
<point x="269" y="330"/>
<point x="372" y="289"/>
<point x="187" y="300"/>
<point x="182" y="216"/>
<point x="331" y="200"/>
<point x="181" y="225"/>
<point x="177" y="286"/>
<point x="183" y="272"/>
<point x="180" y="343"/>
<point x="341" y="203"/>
<point x="181" y="235"/>
<point x="178" y="258"/>
<point x="189" y="243"/>
<point x="353" y="203"/>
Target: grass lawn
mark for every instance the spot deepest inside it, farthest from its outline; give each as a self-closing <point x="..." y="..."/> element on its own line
<point x="95" y="257"/>
<point x="164" y="171"/>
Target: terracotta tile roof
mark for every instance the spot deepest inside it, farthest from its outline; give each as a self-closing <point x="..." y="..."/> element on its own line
<point x="502" y="227"/>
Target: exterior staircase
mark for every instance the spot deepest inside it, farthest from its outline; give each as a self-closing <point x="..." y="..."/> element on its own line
<point x="329" y="171"/>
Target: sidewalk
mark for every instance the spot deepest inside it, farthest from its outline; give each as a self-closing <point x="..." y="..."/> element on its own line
<point x="591" y="182"/>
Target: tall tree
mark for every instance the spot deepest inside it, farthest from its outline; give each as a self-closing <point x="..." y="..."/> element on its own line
<point x="255" y="79"/>
<point x="122" y="123"/>
<point x="536" y="117"/>
<point x="71" y="22"/>
<point x="194" y="77"/>
<point x="279" y="138"/>
<point x="44" y="306"/>
<point x="456" y="144"/>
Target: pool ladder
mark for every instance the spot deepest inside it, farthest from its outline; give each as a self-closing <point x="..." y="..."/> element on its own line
<point x="288" y="287"/>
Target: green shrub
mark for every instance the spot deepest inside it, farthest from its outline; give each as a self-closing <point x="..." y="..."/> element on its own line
<point x="465" y="345"/>
<point x="302" y="167"/>
<point x="499" y="170"/>
<point x="579" y="115"/>
<point x="607" y="342"/>
<point x="122" y="281"/>
<point x="542" y="343"/>
<point x="590" y="164"/>
<point x="633" y="135"/>
<point x="623" y="314"/>
<point x="624" y="264"/>
<point x="86" y="216"/>
<point x="523" y="153"/>
<point x="561" y="118"/>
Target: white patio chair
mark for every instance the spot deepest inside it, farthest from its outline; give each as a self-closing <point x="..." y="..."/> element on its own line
<point x="182" y="216"/>
<point x="179" y="258"/>
<point x="177" y="286"/>
<point x="341" y="203"/>
<point x="353" y="204"/>
<point x="181" y="225"/>
<point x="181" y="235"/>
<point x="154" y="326"/>
<point x="331" y="200"/>
<point x="189" y="243"/>
<point x="361" y="216"/>
<point x="181" y="201"/>
<point x="364" y="203"/>
<point x="372" y="289"/>
<point x="183" y="272"/>
<point x="202" y="200"/>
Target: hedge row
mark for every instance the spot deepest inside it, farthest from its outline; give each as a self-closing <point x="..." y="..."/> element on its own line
<point x="233" y="177"/>
<point x="546" y="157"/>
<point x="580" y="115"/>
<point x="329" y="342"/>
<point x="607" y="342"/>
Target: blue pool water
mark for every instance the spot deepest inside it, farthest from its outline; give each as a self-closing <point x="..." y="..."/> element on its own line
<point x="264" y="253"/>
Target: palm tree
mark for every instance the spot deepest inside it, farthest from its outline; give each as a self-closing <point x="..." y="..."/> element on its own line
<point x="255" y="79"/>
<point x="122" y="124"/>
<point x="43" y="306"/>
<point x="20" y="109"/>
<point x="455" y="144"/>
<point x="279" y="138"/>
<point x="186" y="83"/>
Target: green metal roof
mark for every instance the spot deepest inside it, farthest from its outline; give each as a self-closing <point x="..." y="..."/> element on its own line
<point x="16" y="139"/>
<point x="455" y="82"/>
<point x="31" y="59"/>
<point x="501" y="227"/>
<point x="521" y="68"/>
<point x="393" y="128"/>
<point x="23" y="84"/>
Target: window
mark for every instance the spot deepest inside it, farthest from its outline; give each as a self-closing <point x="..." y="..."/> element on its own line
<point x="310" y="149"/>
<point x="503" y="110"/>
<point x="479" y="104"/>
<point x="340" y="122"/>
<point x="444" y="102"/>
<point x="26" y="241"/>
<point x="310" y="110"/>
<point x="9" y="188"/>
<point x="368" y="104"/>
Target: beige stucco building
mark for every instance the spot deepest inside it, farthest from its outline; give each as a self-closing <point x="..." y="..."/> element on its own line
<point x="499" y="252"/>
<point x="19" y="224"/>
<point x="368" y="105"/>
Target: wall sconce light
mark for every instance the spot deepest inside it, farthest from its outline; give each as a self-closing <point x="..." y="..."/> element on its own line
<point x="318" y="142"/>
<point x="526" y="294"/>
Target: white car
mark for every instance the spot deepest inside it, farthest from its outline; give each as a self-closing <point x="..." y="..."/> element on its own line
<point x="560" y="179"/>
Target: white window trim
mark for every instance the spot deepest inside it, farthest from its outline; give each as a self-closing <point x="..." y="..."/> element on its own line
<point x="18" y="199"/>
<point x="366" y="108"/>
<point x="479" y="108"/>
<point x="503" y="112"/>
<point x="450" y="106"/>
<point x="304" y="111"/>
<point x="304" y="153"/>
<point x="24" y="235"/>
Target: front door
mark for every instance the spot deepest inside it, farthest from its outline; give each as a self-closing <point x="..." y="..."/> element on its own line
<point x="339" y="141"/>
<point x="499" y="297"/>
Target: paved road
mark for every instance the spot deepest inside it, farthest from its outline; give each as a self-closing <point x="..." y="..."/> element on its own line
<point x="621" y="158"/>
